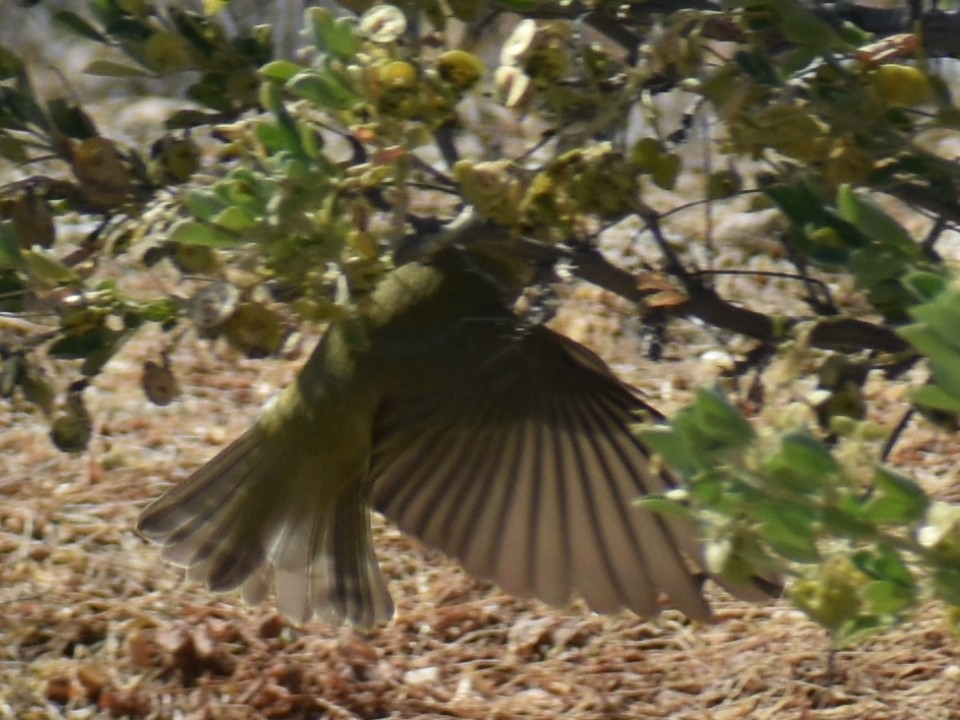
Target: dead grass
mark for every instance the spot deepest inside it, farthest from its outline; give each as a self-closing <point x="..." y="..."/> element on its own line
<point x="93" y="624"/>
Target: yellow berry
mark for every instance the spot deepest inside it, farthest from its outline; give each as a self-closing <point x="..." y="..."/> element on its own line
<point x="166" y="52"/>
<point x="901" y="86"/>
<point x="460" y="68"/>
<point x="398" y="75"/>
<point x="254" y="330"/>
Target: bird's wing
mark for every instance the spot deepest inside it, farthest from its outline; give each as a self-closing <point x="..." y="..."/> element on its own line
<point x="526" y="471"/>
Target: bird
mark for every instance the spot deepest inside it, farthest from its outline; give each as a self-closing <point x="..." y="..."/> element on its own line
<point x="501" y="443"/>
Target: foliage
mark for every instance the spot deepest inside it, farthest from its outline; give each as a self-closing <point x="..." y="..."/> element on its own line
<point x="850" y="530"/>
<point x="288" y="187"/>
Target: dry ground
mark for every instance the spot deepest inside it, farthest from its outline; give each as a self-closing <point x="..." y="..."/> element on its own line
<point x="93" y="624"/>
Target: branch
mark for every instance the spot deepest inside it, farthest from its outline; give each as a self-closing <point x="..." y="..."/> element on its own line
<point x="588" y="264"/>
<point x="703" y="303"/>
<point x="940" y="29"/>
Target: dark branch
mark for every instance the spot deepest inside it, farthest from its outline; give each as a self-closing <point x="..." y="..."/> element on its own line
<point x="833" y="333"/>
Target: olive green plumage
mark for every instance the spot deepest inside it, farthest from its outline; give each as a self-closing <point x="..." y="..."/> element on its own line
<point x="504" y="445"/>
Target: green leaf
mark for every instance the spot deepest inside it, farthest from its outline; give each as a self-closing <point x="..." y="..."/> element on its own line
<point x="808" y="455"/>
<point x="80" y="26"/>
<point x="925" y="285"/>
<point x="758" y="66"/>
<point x="520" y="6"/>
<point x="13" y="150"/>
<point x="886" y="598"/>
<point x="247" y="189"/>
<point x="79" y="345"/>
<point x="942" y="316"/>
<point x="789" y="529"/>
<point x="800" y="25"/>
<point x="204" y="204"/>
<point x="11" y="65"/>
<point x="160" y="310"/>
<point x="11" y="254"/>
<point x="191" y="232"/>
<point x="322" y="88"/>
<point x="847" y="523"/>
<point x="935" y="398"/>
<point x="211" y="92"/>
<point x="245" y="196"/>
<point x="45" y="267"/>
<point x="34" y="384"/>
<point x="70" y="119"/>
<point x="72" y="427"/>
<point x="818" y="230"/>
<point x="944" y="358"/>
<point x="109" y="68"/>
<point x="896" y="499"/>
<point x="205" y="34"/>
<point x="831" y="601"/>
<point x="329" y="35"/>
<point x="711" y="489"/>
<point x="719" y="421"/>
<point x="13" y="291"/>
<point x="270" y="96"/>
<point x="802" y="461"/>
<point x="947" y="583"/>
<point x="875" y="264"/>
<point x="280" y="70"/>
<point x="236" y="219"/>
<point x="670" y="445"/>
<point x="663" y="506"/>
<point x="884" y="564"/>
<point x="873" y="222"/>
<point x="21" y="103"/>
<point x="723" y="184"/>
<point x="645" y="153"/>
<point x="859" y="628"/>
<point x="214" y="7"/>
<point x="666" y="171"/>
<point x="279" y="138"/>
<point x="113" y="342"/>
<point x="311" y="143"/>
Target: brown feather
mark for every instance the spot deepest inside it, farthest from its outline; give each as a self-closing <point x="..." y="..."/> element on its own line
<point x="525" y="470"/>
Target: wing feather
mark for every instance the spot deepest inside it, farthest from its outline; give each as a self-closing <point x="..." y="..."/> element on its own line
<point x="523" y="517"/>
<point x="526" y="471"/>
<point x="552" y="545"/>
<point x="594" y="568"/>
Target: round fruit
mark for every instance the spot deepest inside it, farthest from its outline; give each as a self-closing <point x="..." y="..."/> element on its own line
<point x="902" y="86"/>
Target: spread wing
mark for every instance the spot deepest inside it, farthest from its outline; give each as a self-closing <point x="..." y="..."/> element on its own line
<point x="526" y="470"/>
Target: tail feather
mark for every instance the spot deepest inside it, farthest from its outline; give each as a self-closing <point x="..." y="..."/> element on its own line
<point x="243" y="522"/>
<point x="257" y="586"/>
<point x="205" y="523"/>
<point x="359" y="592"/>
<point x="328" y="567"/>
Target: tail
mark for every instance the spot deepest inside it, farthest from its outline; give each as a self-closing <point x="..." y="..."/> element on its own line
<point x="253" y="518"/>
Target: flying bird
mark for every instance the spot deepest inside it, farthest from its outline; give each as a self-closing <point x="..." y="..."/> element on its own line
<point x="503" y="444"/>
